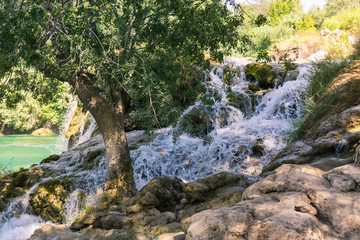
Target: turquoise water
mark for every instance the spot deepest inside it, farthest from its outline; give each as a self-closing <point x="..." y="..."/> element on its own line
<point x="18" y="151"/>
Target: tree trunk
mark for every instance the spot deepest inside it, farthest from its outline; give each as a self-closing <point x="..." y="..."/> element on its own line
<point x="110" y="119"/>
<point x="357" y="156"/>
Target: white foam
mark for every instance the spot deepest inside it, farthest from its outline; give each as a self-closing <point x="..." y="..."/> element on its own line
<point x="20" y="228"/>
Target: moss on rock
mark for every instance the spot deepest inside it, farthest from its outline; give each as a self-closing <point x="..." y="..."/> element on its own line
<point x="50" y="158"/>
<point x="262" y="73"/>
<point x="48" y="199"/>
<point x="17" y="184"/>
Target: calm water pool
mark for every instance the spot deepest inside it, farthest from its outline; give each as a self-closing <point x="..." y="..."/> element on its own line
<point x="18" y="151"/>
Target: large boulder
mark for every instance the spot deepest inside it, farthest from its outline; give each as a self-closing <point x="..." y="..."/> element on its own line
<point x="163" y="202"/>
<point x="262" y="73"/>
<point x="17" y="184"/>
<point x="299" y="202"/>
<point x="49" y="198"/>
<point x="61" y="232"/>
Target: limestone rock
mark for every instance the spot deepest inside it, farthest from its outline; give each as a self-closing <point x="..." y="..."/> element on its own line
<point x="61" y="232"/>
<point x="16" y="184"/>
<point x="172" y="236"/>
<point x="294" y="203"/>
<point x="43" y="132"/>
<point x="48" y="199"/>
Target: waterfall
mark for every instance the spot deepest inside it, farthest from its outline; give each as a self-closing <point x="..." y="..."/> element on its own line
<point x="89" y="178"/>
<point x="244" y="143"/>
<point x="86" y="131"/>
<point x="63" y="141"/>
<point x="239" y="137"/>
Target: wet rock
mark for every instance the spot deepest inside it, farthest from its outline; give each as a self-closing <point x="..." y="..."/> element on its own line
<point x="197" y="122"/>
<point x="50" y="158"/>
<point x="245" y="102"/>
<point x="293" y="74"/>
<point x="48" y="199"/>
<point x="17" y="184"/>
<point x="229" y="73"/>
<point x="262" y="73"/>
<point x="333" y="129"/>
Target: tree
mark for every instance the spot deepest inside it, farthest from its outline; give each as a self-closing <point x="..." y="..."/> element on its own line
<point x="110" y="51"/>
<point x="280" y="8"/>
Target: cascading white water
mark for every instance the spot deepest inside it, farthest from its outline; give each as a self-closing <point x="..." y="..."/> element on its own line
<point x="17" y="224"/>
<point x="63" y="141"/>
<point x="235" y="134"/>
<point x="85" y="132"/>
<point x="232" y="145"/>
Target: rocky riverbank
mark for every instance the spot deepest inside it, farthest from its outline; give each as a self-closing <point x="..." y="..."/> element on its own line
<point x="295" y="202"/>
<point x="309" y="190"/>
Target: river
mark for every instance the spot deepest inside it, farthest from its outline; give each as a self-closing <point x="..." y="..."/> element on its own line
<point x="18" y="151"/>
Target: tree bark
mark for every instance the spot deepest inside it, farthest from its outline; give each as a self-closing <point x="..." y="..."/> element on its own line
<point x="357" y="156"/>
<point x="110" y="119"/>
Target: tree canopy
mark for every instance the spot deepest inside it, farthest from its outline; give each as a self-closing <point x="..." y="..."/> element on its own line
<point x="149" y="48"/>
<point x="118" y="55"/>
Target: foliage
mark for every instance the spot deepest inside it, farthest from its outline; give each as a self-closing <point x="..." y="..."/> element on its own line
<point x="332" y="8"/>
<point x="320" y="78"/>
<point x="43" y="101"/>
<point x="281" y="8"/>
<point x="145" y="49"/>
<point x="345" y="20"/>
<point x="275" y="23"/>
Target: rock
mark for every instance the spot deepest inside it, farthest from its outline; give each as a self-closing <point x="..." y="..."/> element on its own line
<point x="291" y="168"/>
<point x="157" y="208"/>
<point x="197" y="122"/>
<point x="262" y="73"/>
<point x="50" y="158"/>
<point x="172" y="236"/>
<point x="42" y="132"/>
<point x="198" y="190"/>
<point x="334" y="128"/>
<point x="290" y="204"/>
<point x="75" y="124"/>
<point x="293" y="74"/>
<point x="48" y="199"/>
<point x="245" y="102"/>
<point x="229" y="73"/>
<point x="17" y="184"/>
<point x="163" y="193"/>
<point x="254" y="88"/>
<point x="213" y="192"/>
<point x="60" y="232"/>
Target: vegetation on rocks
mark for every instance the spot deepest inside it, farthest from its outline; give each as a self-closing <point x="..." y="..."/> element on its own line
<point x="138" y="65"/>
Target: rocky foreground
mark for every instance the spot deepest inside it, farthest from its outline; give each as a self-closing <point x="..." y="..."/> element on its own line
<point x="296" y="202"/>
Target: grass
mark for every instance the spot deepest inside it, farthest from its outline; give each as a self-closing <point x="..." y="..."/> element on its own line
<point x="320" y="79"/>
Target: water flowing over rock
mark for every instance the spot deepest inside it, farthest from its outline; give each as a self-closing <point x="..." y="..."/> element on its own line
<point x="335" y="133"/>
<point x="238" y="138"/>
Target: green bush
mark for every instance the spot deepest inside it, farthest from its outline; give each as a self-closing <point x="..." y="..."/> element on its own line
<point x="348" y="20"/>
<point x="256" y="39"/>
<point x="320" y="79"/>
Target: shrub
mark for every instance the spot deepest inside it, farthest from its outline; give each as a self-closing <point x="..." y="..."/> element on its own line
<point x="320" y="79"/>
<point x="348" y="20"/>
